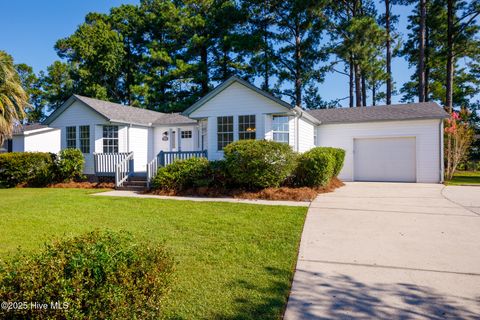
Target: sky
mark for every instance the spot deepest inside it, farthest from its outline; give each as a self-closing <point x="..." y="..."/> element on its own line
<point x="30" y="28"/>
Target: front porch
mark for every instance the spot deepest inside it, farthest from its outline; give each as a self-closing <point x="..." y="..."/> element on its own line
<point x="121" y="165"/>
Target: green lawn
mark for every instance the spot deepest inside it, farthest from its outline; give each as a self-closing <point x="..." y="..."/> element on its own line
<point x="465" y="177"/>
<point x="234" y="261"/>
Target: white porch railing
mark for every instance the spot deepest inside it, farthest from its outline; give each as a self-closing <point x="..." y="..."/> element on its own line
<point x="105" y="164"/>
<point x="123" y="170"/>
<point x="152" y="168"/>
<point x="165" y="158"/>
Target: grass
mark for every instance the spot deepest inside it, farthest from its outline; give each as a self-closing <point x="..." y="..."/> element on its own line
<point x="234" y="261"/>
<point x="465" y="178"/>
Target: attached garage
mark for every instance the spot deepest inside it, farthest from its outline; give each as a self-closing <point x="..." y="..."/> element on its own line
<point x="398" y="143"/>
<point x="385" y="159"/>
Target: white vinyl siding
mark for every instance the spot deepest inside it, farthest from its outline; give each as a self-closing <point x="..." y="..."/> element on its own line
<point x="426" y="133"/>
<point x="237" y="100"/>
<point x="164" y="132"/>
<point x="77" y="115"/>
<point x="306" y="135"/>
<point x="39" y="141"/>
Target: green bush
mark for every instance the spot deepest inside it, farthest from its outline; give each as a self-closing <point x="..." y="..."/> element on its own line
<point x="339" y="155"/>
<point x="100" y="275"/>
<point x="183" y="174"/>
<point x="259" y="163"/>
<point x="218" y="175"/>
<point x="315" y="167"/>
<point x="70" y="164"/>
<point x="31" y="168"/>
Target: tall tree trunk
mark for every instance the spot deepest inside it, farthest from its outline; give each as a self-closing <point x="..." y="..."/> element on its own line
<point x="389" y="53"/>
<point x="204" y="70"/>
<point x="374" y="94"/>
<point x="358" y="89"/>
<point x="298" y="68"/>
<point x="421" y="51"/>
<point x="266" y="60"/>
<point x="350" y="84"/>
<point x="450" y="62"/>
<point x="427" y="63"/>
<point x="364" y="91"/>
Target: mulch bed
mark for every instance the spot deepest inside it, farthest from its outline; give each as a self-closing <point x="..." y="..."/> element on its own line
<point x="83" y="185"/>
<point x="282" y="193"/>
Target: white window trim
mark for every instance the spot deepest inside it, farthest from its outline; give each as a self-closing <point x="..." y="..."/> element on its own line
<point x="283" y="131"/>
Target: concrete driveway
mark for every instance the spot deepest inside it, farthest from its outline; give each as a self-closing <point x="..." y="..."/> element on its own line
<point x="390" y="251"/>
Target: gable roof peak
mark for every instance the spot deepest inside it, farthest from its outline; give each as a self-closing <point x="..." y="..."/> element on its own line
<point x="225" y="84"/>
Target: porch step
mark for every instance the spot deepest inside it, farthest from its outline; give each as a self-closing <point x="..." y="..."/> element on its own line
<point x="135" y="183"/>
<point x="132" y="188"/>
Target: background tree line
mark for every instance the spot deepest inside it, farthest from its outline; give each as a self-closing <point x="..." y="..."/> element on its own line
<point x="166" y="54"/>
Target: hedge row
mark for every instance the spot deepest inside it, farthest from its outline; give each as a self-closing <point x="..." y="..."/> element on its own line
<point x="254" y="164"/>
<point x="38" y="169"/>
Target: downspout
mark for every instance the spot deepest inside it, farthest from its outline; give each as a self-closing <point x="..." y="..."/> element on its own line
<point x="128" y="137"/>
<point x="297" y="129"/>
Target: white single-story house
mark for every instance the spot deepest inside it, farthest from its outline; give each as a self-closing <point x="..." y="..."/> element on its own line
<point x="382" y="143"/>
<point x="33" y="138"/>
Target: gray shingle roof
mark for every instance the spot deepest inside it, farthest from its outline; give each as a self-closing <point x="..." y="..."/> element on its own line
<point x="409" y="111"/>
<point x="174" y="118"/>
<point x="116" y="112"/>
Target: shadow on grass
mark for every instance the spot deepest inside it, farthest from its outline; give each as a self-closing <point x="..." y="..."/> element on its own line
<point x="343" y="297"/>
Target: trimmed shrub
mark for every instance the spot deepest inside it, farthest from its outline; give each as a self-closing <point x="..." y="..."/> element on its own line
<point x="100" y="275"/>
<point x="183" y="174"/>
<point x="70" y="164"/>
<point x="315" y="168"/>
<point x="34" y="169"/>
<point x="259" y="163"/>
<point x="218" y="175"/>
<point x="339" y="155"/>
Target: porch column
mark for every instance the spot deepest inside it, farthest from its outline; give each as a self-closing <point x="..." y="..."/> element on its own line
<point x="179" y="139"/>
<point x="195" y="137"/>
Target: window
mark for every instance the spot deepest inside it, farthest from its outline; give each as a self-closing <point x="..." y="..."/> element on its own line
<point x="71" y="137"/>
<point x="110" y="139"/>
<point x="280" y="129"/>
<point x="224" y="131"/>
<point x="187" y="134"/>
<point x="85" y="139"/>
<point x="315" y="136"/>
<point x="246" y="127"/>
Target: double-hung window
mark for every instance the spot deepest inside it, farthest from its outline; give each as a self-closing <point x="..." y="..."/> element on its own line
<point x="224" y="131"/>
<point x="280" y="129"/>
<point x="110" y="139"/>
<point x="246" y="127"/>
<point x="84" y="139"/>
<point x="71" y="137"/>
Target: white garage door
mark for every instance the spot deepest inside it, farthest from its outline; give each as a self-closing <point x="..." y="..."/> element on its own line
<point x="385" y="159"/>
